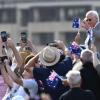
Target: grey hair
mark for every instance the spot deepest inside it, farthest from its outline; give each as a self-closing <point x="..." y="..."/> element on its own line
<point x="93" y="13"/>
<point x="73" y="77"/>
<point x="87" y="55"/>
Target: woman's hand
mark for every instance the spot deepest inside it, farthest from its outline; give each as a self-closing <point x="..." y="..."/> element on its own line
<point x="10" y="43"/>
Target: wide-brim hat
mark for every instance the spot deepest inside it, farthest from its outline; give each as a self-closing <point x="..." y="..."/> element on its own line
<point x="49" y="56"/>
<point x="24" y="54"/>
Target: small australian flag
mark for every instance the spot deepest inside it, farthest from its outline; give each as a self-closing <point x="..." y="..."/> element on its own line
<point x="52" y="80"/>
<point x="76" y="22"/>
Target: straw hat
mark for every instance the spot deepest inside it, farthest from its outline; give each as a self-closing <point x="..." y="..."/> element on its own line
<point x="24" y="55"/>
<point x="49" y="56"/>
<point x="28" y="58"/>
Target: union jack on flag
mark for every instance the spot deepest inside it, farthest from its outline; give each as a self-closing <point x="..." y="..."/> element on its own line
<point x="74" y="48"/>
<point x="52" y="75"/>
<point x="52" y="80"/>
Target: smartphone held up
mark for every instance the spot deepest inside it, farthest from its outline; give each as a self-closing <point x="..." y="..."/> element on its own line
<point x="24" y="37"/>
<point x="4" y="36"/>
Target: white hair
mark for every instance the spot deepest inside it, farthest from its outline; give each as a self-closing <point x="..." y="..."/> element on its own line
<point x="87" y="55"/>
<point x="73" y="77"/>
<point x="93" y="13"/>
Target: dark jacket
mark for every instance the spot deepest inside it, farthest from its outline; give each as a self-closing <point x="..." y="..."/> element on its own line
<point x="77" y="94"/>
<point x="90" y="79"/>
<point x="43" y="73"/>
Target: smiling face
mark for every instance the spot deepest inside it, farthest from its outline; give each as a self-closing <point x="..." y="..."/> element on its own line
<point x="91" y="19"/>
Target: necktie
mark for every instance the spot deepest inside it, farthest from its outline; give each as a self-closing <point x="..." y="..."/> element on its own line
<point x="89" y="38"/>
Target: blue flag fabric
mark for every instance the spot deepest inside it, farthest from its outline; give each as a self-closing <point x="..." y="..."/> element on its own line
<point x="76" y="23"/>
<point x="53" y="80"/>
<point x="75" y="49"/>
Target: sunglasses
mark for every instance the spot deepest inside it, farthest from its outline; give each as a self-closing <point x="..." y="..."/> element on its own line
<point x="89" y="20"/>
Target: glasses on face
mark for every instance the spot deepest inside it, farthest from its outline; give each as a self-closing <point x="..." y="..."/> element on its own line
<point x="88" y="19"/>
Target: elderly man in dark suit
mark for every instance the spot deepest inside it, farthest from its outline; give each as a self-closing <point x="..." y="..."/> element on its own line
<point x="91" y="22"/>
<point x="75" y="92"/>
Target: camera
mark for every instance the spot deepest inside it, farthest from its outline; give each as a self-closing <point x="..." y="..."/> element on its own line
<point x="76" y="22"/>
<point x="24" y="37"/>
<point x="53" y="44"/>
<point x="18" y="44"/>
<point x="4" y="36"/>
<point x="2" y="59"/>
<point x="28" y="48"/>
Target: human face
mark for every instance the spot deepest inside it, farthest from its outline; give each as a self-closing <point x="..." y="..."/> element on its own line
<point x="91" y="20"/>
<point x="27" y="74"/>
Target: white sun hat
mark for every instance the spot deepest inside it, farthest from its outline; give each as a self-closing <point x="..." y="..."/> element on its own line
<point x="49" y="56"/>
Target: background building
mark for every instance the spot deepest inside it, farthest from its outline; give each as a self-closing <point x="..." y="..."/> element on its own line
<point x="44" y="20"/>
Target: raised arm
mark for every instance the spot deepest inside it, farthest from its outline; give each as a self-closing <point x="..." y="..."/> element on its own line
<point x="60" y="45"/>
<point x="33" y="48"/>
<point x="32" y="62"/>
<point x="6" y="77"/>
<point x="77" y="38"/>
<point x="14" y="77"/>
<point x="96" y="61"/>
<point x="16" y="53"/>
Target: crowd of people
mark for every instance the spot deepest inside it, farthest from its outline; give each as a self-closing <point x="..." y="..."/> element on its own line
<point x="57" y="72"/>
